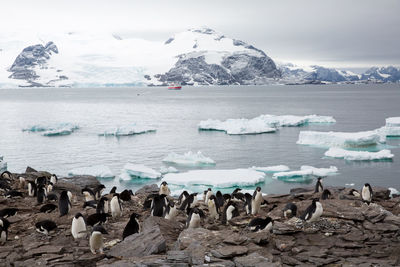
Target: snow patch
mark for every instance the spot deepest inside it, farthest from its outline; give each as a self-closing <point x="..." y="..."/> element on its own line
<point x="138" y="171"/>
<point x="128" y="130"/>
<point x="272" y="169"/>
<point x="340" y="139"/>
<point x="358" y="155"/>
<point x="99" y="171"/>
<point x="189" y="159"/>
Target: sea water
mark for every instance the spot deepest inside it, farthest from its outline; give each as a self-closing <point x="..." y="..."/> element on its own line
<point x="175" y="114"/>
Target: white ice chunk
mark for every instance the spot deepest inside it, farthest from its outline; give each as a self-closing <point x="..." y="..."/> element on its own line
<point x="352" y="184"/>
<point x="99" y="171"/>
<point x="170" y="169"/>
<point x="389" y="131"/>
<point x="340" y="139"/>
<point x="3" y="165"/>
<point x="393" y="191"/>
<point x="272" y="169"/>
<point x="358" y="155"/>
<point x="306" y="171"/>
<point x="393" y="122"/>
<point x="51" y="127"/>
<point x="128" y="130"/>
<point x="216" y="178"/>
<point x="138" y="171"/>
<point x="189" y="159"/>
<point x="58" y="132"/>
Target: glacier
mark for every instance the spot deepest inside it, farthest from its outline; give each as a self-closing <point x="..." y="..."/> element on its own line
<point x="3" y="164"/>
<point x="127" y="130"/>
<point x="130" y="171"/>
<point x="99" y="171"/>
<point x="272" y="169"/>
<point x="340" y="139"/>
<point x="170" y="169"/>
<point x="55" y="129"/>
<point x="262" y="124"/>
<point x="216" y="178"/>
<point x="335" y="152"/>
<point x="189" y="159"/>
<point x="305" y="173"/>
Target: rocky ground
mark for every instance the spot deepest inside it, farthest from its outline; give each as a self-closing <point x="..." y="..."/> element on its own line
<point x="349" y="233"/>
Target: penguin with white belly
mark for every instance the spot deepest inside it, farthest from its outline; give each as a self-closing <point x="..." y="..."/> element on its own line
<point x="313" y="212"/>
<point x="78" y="227"/>
<point x="256" y="201"/>
<point x="96" y="239"/>
<point x="231" y="210"/>
<point x="194" y="218"/>
<point x="366" y="193"/>
<point x="213" y="207"/>
<point x="116" y="206"/>
<point x="164" y="190"/>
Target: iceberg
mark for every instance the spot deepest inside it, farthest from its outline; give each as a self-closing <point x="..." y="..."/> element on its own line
<point x="216" y="178"/>
<point x="99" y="171"/>
<point x="393" y="122"/>
<point x="3" y="165"/>
<point x="305" y="172"/>
<point x="359" y="155"/>
<point x="164" y="170"/>
<point x="128" y="130"/>
<point x="261" y="124"/>
<point x="189" y="159"/>
<point x="386" y="131"/>
<point x="340" y="139"/>
<point x="272" y="169"/>
<point x="138" y="171"/>
<point x="51" y="127"/>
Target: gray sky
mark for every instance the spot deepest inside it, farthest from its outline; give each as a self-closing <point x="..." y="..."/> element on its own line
<point x="338" y="33"/>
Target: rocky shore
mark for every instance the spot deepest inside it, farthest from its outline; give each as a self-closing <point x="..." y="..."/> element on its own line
<point x="349" y="233"/>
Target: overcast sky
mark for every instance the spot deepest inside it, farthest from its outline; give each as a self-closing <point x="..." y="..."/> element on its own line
<point x="337" y="33"/>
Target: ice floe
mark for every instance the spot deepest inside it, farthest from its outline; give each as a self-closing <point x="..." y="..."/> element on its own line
<point x="164" y="170"/>
<point x="3" y="164"/>
<point x="216" y="178"/>
<point x="189" y="159"/>
<point x="335" y="152"/>
<point x="272" y="169"/>
<point x="128" y="130"/>
<point x="304" y="172"/>
<point x="393" y="122"/>
<point x="55" y="129"/>
<point x="261" y="124"/>
<point x="393" y="191"/>
<point x="99" y="171"/>
<point x="138" y="171"/>
<point x="340" y="139"/>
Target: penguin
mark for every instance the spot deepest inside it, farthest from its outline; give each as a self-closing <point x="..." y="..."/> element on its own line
<point x="213" y="207"/>
<point x="88" y="194"/>
<point x="69" y="196"/>
<point x="366" y="193"/>
<point x="227" y="197"/>
<point x="97" y="218"/>
<point x="182" y="197"/>
<point x="355" y="193"/>
<point x="190" y="202"/>
<point x="32" y="189"/>
<point x="50" y="187"/>
<point x="132" y="227"/>
<point x="47" y="208"/>
<point x="259" y="224"/>
<point x="126" y="195"/>
<point x="64" y="204"/>
<point x="290" y="210"/>
<point x="13" y="193"/>
<point x="318" y="186"/>
<point x="4" y="185"/>
<point x="247" y="204"/>
<point x="230" y="211"/>
<point x="147" y="202"/>
<point x="158" y="206"/>
<point x="22" y="182"/>
<point x="326" y="194"/>
<point x="4" y="224"/>
<point x="209" y="193"/>
<point x="52" y="197"/>
<point x="41" y="193"/>
<point x="6" y="175"/>
<point x="102" y="205"/>
<point x="237" y="195"/>
<point x="53" y="179"/>
<point x="170" y="210"/>
<point x="40" y="180"/>
<point x="78" y="227"/>
<point x="98" y="191"/>
<point x="164" y="190"/>
<point x="96" y="239"/>
<point x="115" y="206"/>
<point x="220" y="198"/>
<point x="8" y="212"/>
<point x="90" y="204"/>
<point x="313" y="212"/>
<point x="194" y="218"/>
<point x="45" y="226"/>
<point x="256" y="201"/>
<point x="113" y="190"/>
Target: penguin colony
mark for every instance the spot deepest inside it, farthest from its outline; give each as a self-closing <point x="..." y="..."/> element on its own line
<point x="100" y="207"/>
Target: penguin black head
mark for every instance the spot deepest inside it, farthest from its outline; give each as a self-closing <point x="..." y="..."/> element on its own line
<point x="315" y="200"/>
<point x="194" y="194"/>
<point x="213" y="198"/>
<point x="258" y="189"/>
<point x="104" y="199"/>
<point x="116" y="195"/>
<point x="164" y="183"/>
<point x="6" y="175"/>
<point x="209" y="189"/>
<point x="113" y="190"/>
<point x="326" y="194"/>
<point x="236" y="190"/>
<point x="99" y="228"/>
<point x="134" y="216"/>
<point x="319" y="179"/>
<point x="227" y="197"/>
<point x="78" y="215"/>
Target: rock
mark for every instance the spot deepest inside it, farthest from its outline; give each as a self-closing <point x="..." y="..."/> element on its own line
<point x="342" y="209"/>
<point x="355" y="235"/>
<point x="82" y="181"/>
<point x="380" y="227"/>
<point x="148" y="189"/>
<point x="229" y="251"/>
<point x="284" y="228"/>
<point x="170" y="229"/>
<point x="380" y="193"/>
<point x="44" y="250"/>
<point x="178" y="256"/>
<point x="29" y="169"/>
<point x="235" y="239"/>
<point x="261" y="238"/>
<point x="203" y="236"/>
<point x="145" y="243"/>
<point x="253" y="259"/>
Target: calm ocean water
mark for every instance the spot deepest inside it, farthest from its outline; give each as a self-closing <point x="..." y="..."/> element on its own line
<point x="176" y="114"/>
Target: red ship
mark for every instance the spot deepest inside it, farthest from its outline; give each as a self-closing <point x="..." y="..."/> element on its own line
<point x="174" y="87"/>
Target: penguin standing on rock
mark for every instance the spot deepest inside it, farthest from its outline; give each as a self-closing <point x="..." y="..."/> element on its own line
<point x="126" y="195"/>
<point x="182" y="197"/>
<point x="164" y="190"/>
<point x="170" y="210"/>
<point x="44" y="227"/>
<point x="22" y="182"/>
<point x="158" y="205"/>
<point x="190" y="202"/>
<point x="132" y="227"/>
<point x="4" y="224"/>
<point x="98" y="191"/>
<point x="313" y="212"/>
<point x="290" y="210"/>
<point x="115" y="206"/>
<point x="41" y="180"/>
<point x="113" y="190"/>
<point x="194" y="218"/>
<point x="318" y="186"/>
<point x="41" y="193"/>
<point x="259" y="224"/>
<point x="64" y="204"/>
<point x="248" y="199"/>
<point x="256" y="201"/>
<point x="78" y="227"/>
<point x="32" y="189"/>
<point x="53" y="179"/>
<point x="213" y="207"/>
<point x="207" y="194"/>
<point x="102" y="205"/>
<point x="88" y="194"/>
<point x="366" y="193"/>
<point x="96" y="239"/>
<point x="219" y="198"/>
<point x="230" y="211"/>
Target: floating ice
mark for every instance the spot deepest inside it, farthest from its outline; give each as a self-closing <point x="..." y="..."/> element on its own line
<point x="261" y="124"/>
<point x="358" y="155"/>
<point x="216" y="178"/>
<point x="393" y="122"/>
<point x="138" y="171"/>
<point x="272" y="169"/>
<point x="304" y="172"/>
<point x="352" y="184"/>
<point x="356" y="139"/>
<point x="128" y="130"/>
<point x="189" y="159"/>
<point x="389" y="131"/>
<point x="170" y="169"/>
<point x="55" y="129"/>
<point x="393" y="191"/>
<point x="3" y="165"/>
<point x="99" y="171"/>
